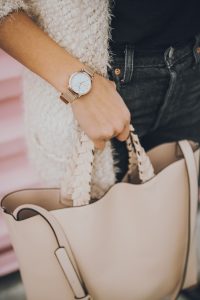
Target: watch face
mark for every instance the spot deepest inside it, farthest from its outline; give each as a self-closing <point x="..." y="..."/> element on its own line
<point x="80" y="83"/>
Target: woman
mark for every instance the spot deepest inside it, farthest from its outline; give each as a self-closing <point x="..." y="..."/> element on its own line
<point x="148" y="50"/>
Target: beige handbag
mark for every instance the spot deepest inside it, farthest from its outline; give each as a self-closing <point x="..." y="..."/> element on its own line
<point x="136" y="243"/>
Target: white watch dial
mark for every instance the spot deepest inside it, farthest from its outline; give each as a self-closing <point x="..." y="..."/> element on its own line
<point x="80" y="83"/>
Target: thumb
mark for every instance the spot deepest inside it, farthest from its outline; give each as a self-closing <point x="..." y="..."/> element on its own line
<point x="100" y="144"/>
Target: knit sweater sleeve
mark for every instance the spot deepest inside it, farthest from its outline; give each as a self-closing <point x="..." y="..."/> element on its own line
<point x="8" y="6"/>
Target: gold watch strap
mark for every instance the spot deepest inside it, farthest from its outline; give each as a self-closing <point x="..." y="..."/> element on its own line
<point x="88" y="70"/>
<point x="68" y="96"/>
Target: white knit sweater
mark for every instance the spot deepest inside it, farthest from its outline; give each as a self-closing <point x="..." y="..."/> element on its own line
<point x="82" y="27"/>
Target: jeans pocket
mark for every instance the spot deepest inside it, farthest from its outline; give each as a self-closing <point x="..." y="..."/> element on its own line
<point x="144" y="96"/>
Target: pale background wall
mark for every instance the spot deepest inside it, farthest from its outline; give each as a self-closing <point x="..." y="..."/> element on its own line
<point x="15" y="171"/>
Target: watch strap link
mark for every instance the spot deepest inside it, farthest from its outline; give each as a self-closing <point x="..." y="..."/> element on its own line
<point x="88" y="70"/>
<point x="68" y="96"/>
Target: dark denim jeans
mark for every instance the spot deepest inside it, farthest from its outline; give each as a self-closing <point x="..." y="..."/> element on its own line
<point x="162" y="92"/>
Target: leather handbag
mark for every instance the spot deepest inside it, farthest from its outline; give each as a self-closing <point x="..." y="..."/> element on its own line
<point x="138" y="242"/>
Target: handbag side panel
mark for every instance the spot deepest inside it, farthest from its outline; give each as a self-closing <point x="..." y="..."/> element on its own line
<point x="34" y="244"/>
<point x="192" y="268"/>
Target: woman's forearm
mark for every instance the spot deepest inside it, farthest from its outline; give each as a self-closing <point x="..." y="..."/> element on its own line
<point x="26" y="42"/>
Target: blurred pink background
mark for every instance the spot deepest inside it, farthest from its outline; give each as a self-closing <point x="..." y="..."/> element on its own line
<point x="15" y="171"/>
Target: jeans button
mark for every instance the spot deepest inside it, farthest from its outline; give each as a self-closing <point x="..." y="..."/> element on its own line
<point x="117" y="71"/>
<point x="198" y="50"/>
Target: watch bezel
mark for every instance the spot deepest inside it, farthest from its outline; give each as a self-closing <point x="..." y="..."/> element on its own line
<point x="74" y="75"/>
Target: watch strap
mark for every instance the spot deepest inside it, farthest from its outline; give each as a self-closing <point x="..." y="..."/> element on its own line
<point x="88" y="70"/>
<point x="68" y="96"/>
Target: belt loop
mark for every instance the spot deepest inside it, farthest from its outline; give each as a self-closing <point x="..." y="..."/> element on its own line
<point x="168" y="56"/>
<point x="196" y="49"/>
<point x="128" y="64"/>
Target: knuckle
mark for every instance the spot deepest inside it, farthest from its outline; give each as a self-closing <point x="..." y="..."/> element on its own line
<point x="119" y="127"/>
<point x="99" y="145"/>
<point x="96" y="135"/>
<point x="93" y="134"/>
<point x="100" y="135"/>
<point x="127" y="117"/>
<point x="122" y="138"/>
<point x="107" y="133"/>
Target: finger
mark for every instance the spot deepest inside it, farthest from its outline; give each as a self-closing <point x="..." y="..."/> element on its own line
<point x="124" y="134"/>
<point x="100" y="144"/>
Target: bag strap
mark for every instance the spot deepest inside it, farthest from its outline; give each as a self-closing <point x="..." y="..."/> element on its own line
<point x="63" y="253"/>
<point x="192" y="204"/>
<point x="81" y="185"/>
<point x="192" y="172"/>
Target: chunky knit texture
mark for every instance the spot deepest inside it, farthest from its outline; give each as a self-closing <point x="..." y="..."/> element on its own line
<point x="82" y="27"/>
<point x="6" y="7"/>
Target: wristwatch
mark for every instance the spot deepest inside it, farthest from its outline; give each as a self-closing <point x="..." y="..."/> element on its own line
<point x="80" y="83"/>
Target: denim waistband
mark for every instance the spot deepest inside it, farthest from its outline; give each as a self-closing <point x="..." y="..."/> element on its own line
<point x="155" y="56"/>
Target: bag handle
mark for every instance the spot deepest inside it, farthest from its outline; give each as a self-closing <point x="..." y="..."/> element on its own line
<point x="192" y="173"/>
<point x="81" y="184"/>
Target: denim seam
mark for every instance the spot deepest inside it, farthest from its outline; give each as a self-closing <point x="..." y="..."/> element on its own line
<point x="173" y="77"/>
<point x="176" y="61"/>
<point x="128" y="68"/>
<point x="154" y="65"/>
<point x="149" y="66"/>
<point x="132" y="59"/>
<point x="125" y="66"/>
<point x="172" y="82"/>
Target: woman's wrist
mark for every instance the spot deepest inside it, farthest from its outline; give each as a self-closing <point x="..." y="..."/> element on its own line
<point x="64" y="67"/>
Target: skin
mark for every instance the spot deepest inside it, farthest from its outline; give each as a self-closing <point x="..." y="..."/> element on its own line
<point x="101" y="113"/>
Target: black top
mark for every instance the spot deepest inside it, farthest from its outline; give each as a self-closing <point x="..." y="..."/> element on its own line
<point x="155" y="23"/>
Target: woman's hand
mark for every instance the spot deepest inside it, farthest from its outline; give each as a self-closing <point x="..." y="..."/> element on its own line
<point x="102" y="112"/>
